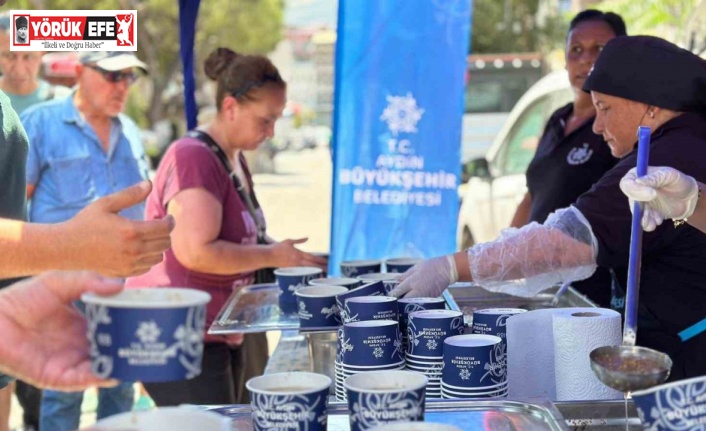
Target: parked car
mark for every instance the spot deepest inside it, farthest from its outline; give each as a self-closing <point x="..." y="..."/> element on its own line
<point x="496" y="182"/>
<point x="494" y="84"/>
<point x="59" y="68"/>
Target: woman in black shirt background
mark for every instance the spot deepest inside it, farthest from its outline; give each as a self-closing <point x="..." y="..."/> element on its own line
<point x="570" y="158"/>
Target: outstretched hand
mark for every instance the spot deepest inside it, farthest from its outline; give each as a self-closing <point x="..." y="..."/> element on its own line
<point x="285" y="254"/>
<point x="427" y="279"/>
<point x="103" y="241"/>
<point x="44" y="337"/>
<point x="666" y="193"/>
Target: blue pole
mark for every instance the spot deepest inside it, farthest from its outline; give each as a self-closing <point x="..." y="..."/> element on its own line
<point x="188" y="11"/>
<point x="635" y="262"/>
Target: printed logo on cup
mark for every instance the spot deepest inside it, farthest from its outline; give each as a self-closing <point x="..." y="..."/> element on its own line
<point x="679" y="405"/>
<point x="371" y="343"/>
<point x="303" y="313"/>
<point x="370" y="308"/>
<point x="473" y="361"/>
<point x="427" y="330"/>
<point x="317" y="306"/>
<point x="287" y="413"/>
<point x="147" y="334"/>
<point x="289" y="401"/>
<point x="399" y="410"/>
<point x="385" y="396"/>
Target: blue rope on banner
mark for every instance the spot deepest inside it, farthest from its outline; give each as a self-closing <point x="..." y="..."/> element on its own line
<point x="188" y="11"/>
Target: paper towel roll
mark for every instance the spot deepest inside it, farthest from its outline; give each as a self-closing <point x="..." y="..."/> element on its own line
<point x="576" y="332"/>
<point x="548" y="353"/>
<point x="530" y="355"/>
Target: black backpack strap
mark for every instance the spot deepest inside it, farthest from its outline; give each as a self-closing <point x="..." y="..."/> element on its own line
<point x="218" y="151"/>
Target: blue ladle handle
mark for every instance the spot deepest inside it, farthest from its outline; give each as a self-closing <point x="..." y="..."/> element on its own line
<point x="635" y="263"/>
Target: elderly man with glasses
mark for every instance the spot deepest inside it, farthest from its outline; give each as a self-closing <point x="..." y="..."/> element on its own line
<point x="83" y="148"/>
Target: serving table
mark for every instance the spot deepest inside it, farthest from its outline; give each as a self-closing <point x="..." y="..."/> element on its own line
<point x="255" y="309"/>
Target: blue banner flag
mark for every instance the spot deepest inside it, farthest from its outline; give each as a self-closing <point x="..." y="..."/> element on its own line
<point x="400" y="68"/>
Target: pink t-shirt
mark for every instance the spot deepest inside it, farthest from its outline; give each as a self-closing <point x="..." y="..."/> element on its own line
<point x="189" y="163"/>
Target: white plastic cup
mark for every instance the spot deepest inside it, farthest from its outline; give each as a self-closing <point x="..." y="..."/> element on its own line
<point x="182" y="418"/>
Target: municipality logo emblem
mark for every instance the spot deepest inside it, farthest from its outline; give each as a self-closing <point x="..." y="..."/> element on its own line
<point x="579" y="155"/>
<point x="148" y="332"/>
<point x="402" y="114"/>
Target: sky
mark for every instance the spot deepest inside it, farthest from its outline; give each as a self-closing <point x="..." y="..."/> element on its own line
<point x="307" y="13"/>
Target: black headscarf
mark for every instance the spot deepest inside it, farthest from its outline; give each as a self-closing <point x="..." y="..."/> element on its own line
<point x="650" y="70"/>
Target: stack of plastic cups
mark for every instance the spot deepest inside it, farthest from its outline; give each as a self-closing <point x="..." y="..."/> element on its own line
<point x="426" y="331"/>
<point x="409" y="305"/>
<point x="472" y="368"/>
<point x="390" y="280"/>
<point x="369" y="345"/>
<point x="371" y="289"/>
<point x="493" y="321"/>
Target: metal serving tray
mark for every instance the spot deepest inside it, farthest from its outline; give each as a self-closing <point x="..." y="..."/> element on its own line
<point x="505" y="415"/>
<point x="598" y="415"/>
<point x="256" y="309"/>
<point x="468" y="297"/>
<point x="253" y="309"/>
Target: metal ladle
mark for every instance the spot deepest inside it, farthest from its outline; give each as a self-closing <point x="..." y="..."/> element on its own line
<point x="564" y="287"/>
<point x="628" y="368"/>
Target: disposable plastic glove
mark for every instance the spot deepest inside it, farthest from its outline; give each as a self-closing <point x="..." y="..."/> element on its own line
<point x="666" y="192"/>
<point x="428" y="279"/>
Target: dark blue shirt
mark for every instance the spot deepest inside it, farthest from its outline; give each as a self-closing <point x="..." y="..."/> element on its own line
<point x="562" y="169"/>
<point x="673" y="278"/>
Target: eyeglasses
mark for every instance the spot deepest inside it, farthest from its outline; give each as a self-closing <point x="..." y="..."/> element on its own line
<point x="118" y="76"/>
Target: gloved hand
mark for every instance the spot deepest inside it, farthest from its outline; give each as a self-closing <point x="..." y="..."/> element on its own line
<point x="666" y="192"/>
<point x="429" y="278"/>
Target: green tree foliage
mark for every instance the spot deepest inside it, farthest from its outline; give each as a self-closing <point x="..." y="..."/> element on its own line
<point x="514" y="26"/>
<point x="249" y="26"/>
<point x="676" y="20"/>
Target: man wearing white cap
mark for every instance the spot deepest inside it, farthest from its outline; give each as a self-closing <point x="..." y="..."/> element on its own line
<point x="83" y="148"/>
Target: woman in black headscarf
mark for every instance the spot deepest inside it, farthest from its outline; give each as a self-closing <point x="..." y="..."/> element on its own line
<point x="636" y="81"/>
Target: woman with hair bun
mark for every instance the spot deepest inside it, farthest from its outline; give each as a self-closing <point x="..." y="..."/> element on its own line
<point x="219" y="241"/>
